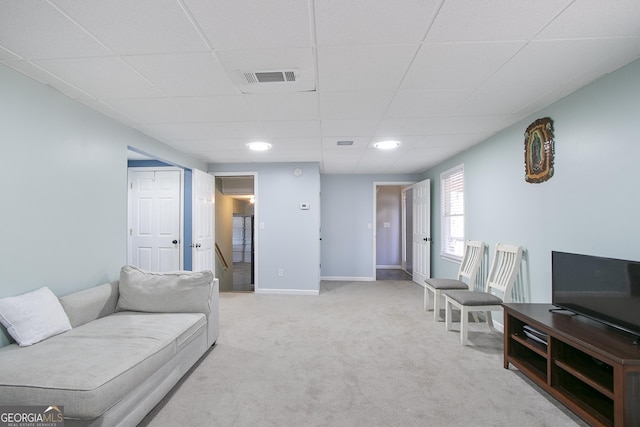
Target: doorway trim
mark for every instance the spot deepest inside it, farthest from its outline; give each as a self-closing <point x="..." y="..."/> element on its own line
<point x="256" y="221"/>
<point x="375" y="214"/>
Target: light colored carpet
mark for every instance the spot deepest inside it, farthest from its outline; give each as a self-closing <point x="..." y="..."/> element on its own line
<point x="359" y="354"/>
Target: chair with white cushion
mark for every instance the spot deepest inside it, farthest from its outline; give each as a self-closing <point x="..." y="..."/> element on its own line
<point x="502" y="275"/>
<point x="469" y="267"/>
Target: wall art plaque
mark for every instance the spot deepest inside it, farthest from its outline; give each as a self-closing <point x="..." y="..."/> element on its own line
<point x="539" y="150"/>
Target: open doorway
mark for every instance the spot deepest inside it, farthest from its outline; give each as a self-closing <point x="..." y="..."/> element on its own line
<point x="235" y="232"/>
<point x="391" y="214"/>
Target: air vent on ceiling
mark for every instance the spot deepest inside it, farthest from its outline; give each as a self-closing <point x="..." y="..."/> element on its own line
<point x="345" y="142"/>
<point x="270" y="76"/>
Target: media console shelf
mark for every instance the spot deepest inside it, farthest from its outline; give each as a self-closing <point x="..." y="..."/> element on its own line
<point x="591" y="368"/>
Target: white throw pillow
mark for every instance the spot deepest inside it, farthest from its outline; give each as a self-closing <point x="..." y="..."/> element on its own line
<point x="33" y="317"/>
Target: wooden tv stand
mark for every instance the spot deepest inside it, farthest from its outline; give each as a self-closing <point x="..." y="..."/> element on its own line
<point x="591" y="368"/>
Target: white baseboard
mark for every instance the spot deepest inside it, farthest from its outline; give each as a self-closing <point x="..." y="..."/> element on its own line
<point x="389" y="267"/>
<point x="287" y="292"/>
<point x="348" y="278"/>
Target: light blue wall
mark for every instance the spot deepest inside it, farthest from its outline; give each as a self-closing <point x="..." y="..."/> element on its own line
<point x="347" y="213"/>
<point x="590" y="206"/>
<point x="63" y="183"/>
<point x="290" y="237"/>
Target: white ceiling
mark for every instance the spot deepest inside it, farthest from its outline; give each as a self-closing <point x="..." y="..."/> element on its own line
<point x="438" y="75"/>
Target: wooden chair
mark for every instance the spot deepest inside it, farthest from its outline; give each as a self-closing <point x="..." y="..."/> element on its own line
<point x="469" y="267"/>
<point x="502" y="275"/>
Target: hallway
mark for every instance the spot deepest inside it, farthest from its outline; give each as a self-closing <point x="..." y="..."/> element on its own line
<point x="397" y="274"/>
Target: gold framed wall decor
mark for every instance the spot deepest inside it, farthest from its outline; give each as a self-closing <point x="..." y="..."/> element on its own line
<point x="539" y="150"/>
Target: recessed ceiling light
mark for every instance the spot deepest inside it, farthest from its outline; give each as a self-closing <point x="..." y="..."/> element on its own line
<point x="387" y="145"/>
<point x="259" y="146"/>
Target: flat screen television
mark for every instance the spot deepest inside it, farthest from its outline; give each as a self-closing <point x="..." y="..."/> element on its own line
<point x="603" y="289"/>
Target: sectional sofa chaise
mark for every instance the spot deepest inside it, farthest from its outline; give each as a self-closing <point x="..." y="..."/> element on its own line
<point x="124" y="345"/>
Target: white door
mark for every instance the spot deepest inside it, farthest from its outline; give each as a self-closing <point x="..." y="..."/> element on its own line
<point x="421" y="231"/>
<point x="202" y="246"/>
<point x="155" y="221"/>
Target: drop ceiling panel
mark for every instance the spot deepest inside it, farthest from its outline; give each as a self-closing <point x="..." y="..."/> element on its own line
<point x="340" y="22"/>
<point x="105" y="78"/>
<point x="493" y="20"/>
<point x="376" y="68"/>
<point x="457" y="66"/>
<point x="502" y="100"/>
<point x="212" y="109"/>
<point x="342" y="128"/>
<point x="238" y="130"/>
<point x="592" y="18"/>
<point x="426" y="103"/>
<point x="36" y="30"/>
<point x="147" y="110"/>
<point x="247" y="24"/>
<point x="446" y="125"/>
<point x="184" y="74"/>
<point x="291" y="129"/>
<point x="302" y="155"/>
<point x="287" y="106"/>
<point x="137" y="27"/>
<point x="582" y="52"/>
<point x="354" y="105"/>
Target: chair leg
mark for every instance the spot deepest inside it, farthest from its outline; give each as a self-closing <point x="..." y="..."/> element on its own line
<point x="490" y="321"/>
<point x="464" y="324"/>
<point x="426" y="299"/>
<point x="436" y="306"/>
<point x="447" y="314"/>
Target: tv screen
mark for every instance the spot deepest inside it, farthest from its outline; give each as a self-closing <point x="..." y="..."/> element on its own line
<point x="604" y="289"/>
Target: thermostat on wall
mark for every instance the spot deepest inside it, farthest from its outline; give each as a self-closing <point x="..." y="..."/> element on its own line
<point x="304" y="206"/>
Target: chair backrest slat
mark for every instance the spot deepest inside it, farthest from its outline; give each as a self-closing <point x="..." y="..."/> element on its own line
<point x="504" y="270"/>
<point x="471" y="260"/>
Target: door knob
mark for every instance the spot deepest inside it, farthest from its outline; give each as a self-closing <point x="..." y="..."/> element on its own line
<point x="175" y="242"/>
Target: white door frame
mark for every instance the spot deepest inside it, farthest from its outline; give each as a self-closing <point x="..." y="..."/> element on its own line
<point x="375" y="212"/>
<point x="129" y="218"/>
<point x="404" y="228"/>
<point x="256" y="234"/>
<point x="203" y="245"/>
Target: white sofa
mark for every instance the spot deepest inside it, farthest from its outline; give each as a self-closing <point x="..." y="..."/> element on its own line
<point x="131" y="341"/>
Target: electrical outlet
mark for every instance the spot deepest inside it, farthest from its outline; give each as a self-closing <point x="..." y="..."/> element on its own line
<point x="280" y="272"/>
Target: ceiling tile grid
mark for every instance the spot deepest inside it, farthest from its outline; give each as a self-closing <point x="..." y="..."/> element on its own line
<point x="438" y="75"/>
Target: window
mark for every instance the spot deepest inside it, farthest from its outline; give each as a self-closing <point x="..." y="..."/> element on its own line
<point x="452" y="221"/>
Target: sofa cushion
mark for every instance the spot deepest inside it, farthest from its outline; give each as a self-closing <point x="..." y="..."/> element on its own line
<point x="91" y="368"/>
<point x="33" y="316"/>
<point x="173" y="292"/>
<point x="90" y="304"/>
